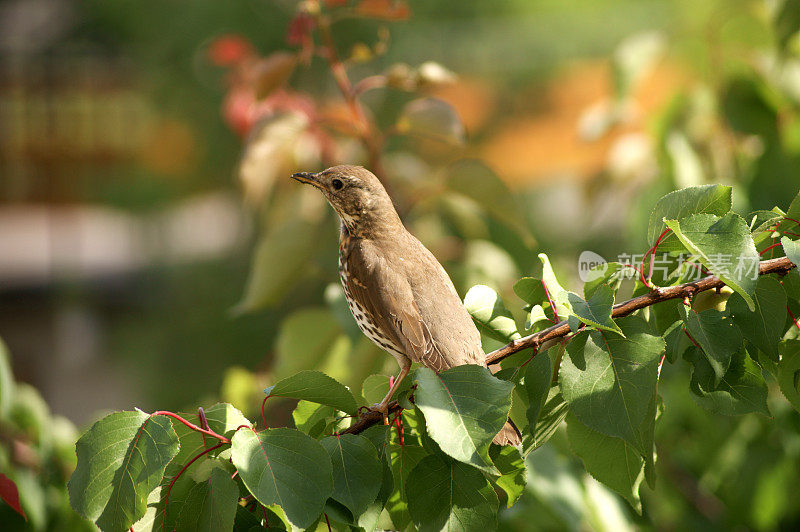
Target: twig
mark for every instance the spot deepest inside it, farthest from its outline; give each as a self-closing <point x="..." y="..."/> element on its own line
<point x="779" y="265"/>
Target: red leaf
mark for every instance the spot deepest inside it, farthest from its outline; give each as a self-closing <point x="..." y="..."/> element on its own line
<point x="9" y="493"/>
<point x="384" y="9"/>
<point x="300" y="29"/>
<point x="229" y="49"/>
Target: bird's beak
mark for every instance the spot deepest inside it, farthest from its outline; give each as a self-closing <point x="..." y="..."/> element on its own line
<point x="308" y="178"/>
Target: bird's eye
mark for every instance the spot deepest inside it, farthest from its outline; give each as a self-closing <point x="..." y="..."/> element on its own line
<point x="337" y="184"/>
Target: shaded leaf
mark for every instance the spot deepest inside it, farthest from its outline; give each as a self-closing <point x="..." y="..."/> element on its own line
<point x="490" y="314"/>
<point x="740" y="391"/>
<point x="596" y="312"/>
<point x="789" y="372"/>
<point x="473" y="179"/>
<point x="316" y="387"/>
<point x="724" y="246"/>
<point x="513" y="476"/>
<point x="787" y="21"/>
<point x="280" y="259"/>
<point x="609" y="460"/>
<point x="464" y="407"/>
<point x="403" y="459"/>
<point x="553" y="412"/>
<point x="716" y="334"/>
<point x="763" y="326"/>
<point x="356" y="471"/>
<point x="312" y="418"/>
<point x="710" y="199"/>
<point x="284" y="467"/>
<point x="447" y="495"/>
<point x="536" y="386"/>
<point x="210" y="505"/>
<point x="609" y="381"/>
<point x="121" y="459"/>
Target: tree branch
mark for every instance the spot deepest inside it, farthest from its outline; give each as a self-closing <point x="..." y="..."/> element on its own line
<point x="560" y="329"/>
<point x="534" y="341"/>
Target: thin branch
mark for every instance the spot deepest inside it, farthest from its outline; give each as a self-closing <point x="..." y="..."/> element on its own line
<point x="780" y="265"/>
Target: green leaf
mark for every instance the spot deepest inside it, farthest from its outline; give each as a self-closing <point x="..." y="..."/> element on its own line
<point x="293" y="241"/>
<point x="530" y="290"/>
<point x="724" y="246"/>
<point x="789" y="372"/>
<point x="6" y="381"/>
<point x="316" y="387"/>
<point x="740" y="391"/>
<point x="608" y="274"/>
<point x="312" y="418"/>
<point x="375" y="387"/>
<point x="287" y="468"/>
<point x="787" y="21"/>
<point x="557" y="292"/>
<point x="513" y="475"/>
<point x="121" y="459"/>
<point x="356" y="471"/>
<point x="447" y="495"/>
<point x="717" y="335"/>
<point x="709" y="199"/>
<point x="403" y="459"/>
<point x="464" y="407"/>
<point x="431" y="119"/>
<point x="536" y="385"/>
<point x="596" y="312"/>
<point x="473" y="179"/>
<point x="490" y="314"/>
<point x="609" y="381"/>
<point x="304" y="339"/>
<point x="792" y="250"/>
<point x="609" y="460"/>
<point x="210" y="505"/>
<point x="764" y="326"/>
<point x="553" y="412"/>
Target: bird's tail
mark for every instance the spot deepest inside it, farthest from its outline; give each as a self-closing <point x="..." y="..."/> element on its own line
<point x="508" y="435"/>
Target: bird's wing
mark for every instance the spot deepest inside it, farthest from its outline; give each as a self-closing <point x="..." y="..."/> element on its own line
<point x="386" y="295"/>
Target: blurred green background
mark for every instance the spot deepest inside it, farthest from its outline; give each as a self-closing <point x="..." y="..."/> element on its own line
<point x="149" y="259"/>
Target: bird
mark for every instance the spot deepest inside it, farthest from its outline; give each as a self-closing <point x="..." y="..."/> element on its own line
<point x="399" y="294"/>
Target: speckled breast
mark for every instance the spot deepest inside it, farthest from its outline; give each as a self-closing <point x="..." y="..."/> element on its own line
<point x="362" y="316"/>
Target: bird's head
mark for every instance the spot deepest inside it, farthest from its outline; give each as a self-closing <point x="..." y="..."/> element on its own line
<point x="357" y="196"/>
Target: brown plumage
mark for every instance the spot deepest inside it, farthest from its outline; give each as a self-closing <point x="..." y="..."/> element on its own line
<point x="399" y="294"/>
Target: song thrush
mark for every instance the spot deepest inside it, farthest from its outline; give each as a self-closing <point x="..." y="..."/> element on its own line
<point x="399" y="294"/>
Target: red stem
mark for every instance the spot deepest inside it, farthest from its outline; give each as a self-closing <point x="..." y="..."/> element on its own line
<point x="769" y="248"/>
<point x="192" y="426"/>
<point x="555" y="317"/>
<point x="652" y="253"/>
<point x="793" y="318"/>
<point x="327" y="521"/>
<point x="263" y="416"/>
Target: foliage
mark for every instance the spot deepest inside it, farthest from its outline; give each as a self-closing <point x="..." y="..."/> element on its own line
<point x="610" y="379"/>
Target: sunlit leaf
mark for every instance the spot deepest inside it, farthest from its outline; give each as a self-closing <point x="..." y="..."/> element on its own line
<point x="490" y="314"/>
<point x="710" y="199"/>
<point x="464" y="407"/>
<point x="316" y="387"/>
<point x="792" y="250"/>
<point x="724" y="246"/>
<point x="121" y="459"/>
<point x="596" y="312"/>
<point x="287" y="468"/>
